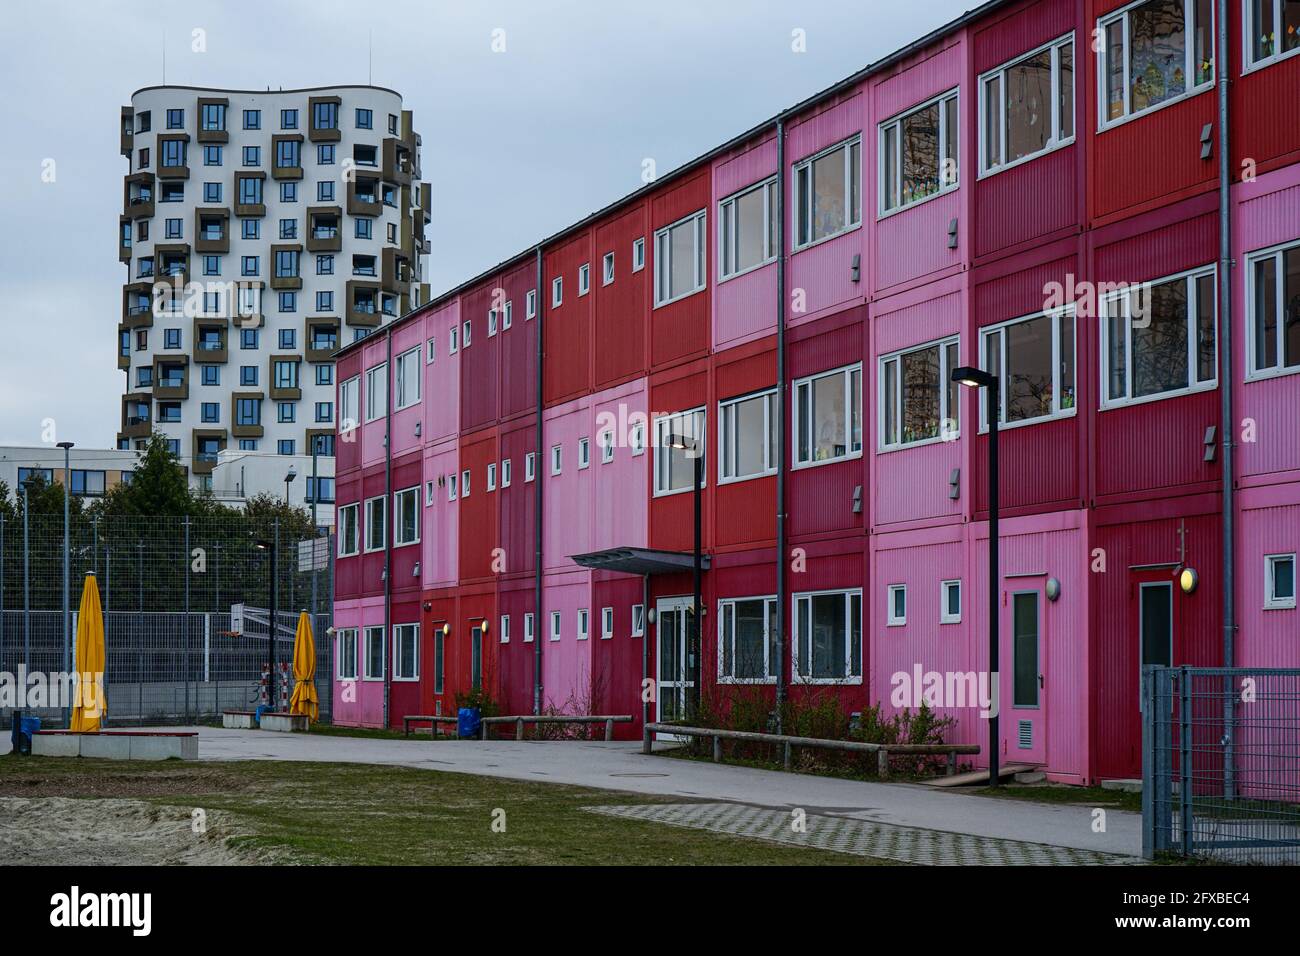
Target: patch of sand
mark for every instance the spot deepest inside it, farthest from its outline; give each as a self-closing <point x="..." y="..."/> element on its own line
<point x="63" y="831"/>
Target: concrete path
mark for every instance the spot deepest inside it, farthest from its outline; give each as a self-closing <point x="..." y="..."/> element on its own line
<point x="622" y="766"/>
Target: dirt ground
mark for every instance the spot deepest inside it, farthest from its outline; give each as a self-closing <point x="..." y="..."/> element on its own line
<point x="49" y="830"/>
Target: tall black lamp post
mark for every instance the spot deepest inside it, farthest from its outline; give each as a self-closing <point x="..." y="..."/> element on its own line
<point x="694" y="447"/>
<point x="978" y="378"/>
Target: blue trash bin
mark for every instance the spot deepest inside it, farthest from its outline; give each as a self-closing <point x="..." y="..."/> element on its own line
<point x="467" y="723"/>
<point x="21" y="734"/>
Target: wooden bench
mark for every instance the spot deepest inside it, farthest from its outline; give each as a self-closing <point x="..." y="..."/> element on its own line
<point x="433" y="720"/>
<point x="609" y="720"/>
<point x="788" y="743"/>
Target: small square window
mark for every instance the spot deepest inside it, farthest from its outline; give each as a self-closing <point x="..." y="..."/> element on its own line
<point x="584" y="623"/>
<point x="528" y="628"/>
<point x="530" y="305"/>
<point x="492" y="322"/>
<point x="607" y="268"/>
<point x="464" y="483"/>
<point x="557" y="291"/>
<point x="492" y="476"/>
<point x="451" y="487"/>
<point x="897" y="605"/>
<point x="1279" y="590"/>
<point x="584" y="278"/>
<point x="508" y="316"/>
<point x="606" y="447"/>
<point x="530" y="466"/>
<point x="557" y="459"/>
<point x="505" y="628"/>
<point x="555" y="625"/>
<point x="606" y="623"/>
<point x="584" y="452"/>
<point x="638" y="255"/>
<point x="638" y="620"/>
<point x="950" y="602"/>
<point x="464" y="333"/>
<point x="505" y="473"/>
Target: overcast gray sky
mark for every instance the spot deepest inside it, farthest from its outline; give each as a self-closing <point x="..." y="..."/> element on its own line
<point x="516" y="144"/>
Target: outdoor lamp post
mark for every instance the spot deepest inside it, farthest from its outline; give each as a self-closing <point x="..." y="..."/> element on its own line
<point x="978" y="378"/>
<point x="27" y="597"/>
<point x="270" y="549"/>
<point x="288" y="480"/>
<point x="692" y="446"/>
<point x="67" y="587"/>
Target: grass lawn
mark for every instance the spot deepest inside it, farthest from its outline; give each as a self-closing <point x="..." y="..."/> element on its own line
<point x="362" y="814"/>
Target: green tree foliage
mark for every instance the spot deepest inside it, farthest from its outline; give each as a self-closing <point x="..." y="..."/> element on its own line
<point x="157" y="487"/>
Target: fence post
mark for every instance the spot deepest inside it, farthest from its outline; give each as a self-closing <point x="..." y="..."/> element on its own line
<point x="1185" y="797"/>
<point x="645" y="737"/>
<point x="609" y="731"/>
<point x="519" y="729"/>
<point x="717" y="749"/>
<point x="186" y="619"/>
<point x="785" y="755"/>
<point x="882" y="763"/>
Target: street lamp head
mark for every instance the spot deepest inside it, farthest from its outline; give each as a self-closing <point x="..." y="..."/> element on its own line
<point x="65" y="445"/>
<point x="972" y="377"/>
<point x="291" y="475"/>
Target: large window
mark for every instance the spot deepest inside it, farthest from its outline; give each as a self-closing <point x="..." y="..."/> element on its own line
<point x="347" y="653"/>
<point x="407" y="385"/>
<point x="827" y="416"/>
<point x="349" y="404"/>
<point x="679" y="259"/>
<point x="406" y="652"/>
<point x="377" y="392"/>
<point x="747" y="630"/>
<point x="918" y="400"/>
<point x="1151" y="53"/>
<point x="1279" y="581"/>
<point x="1027" y="107"/>
<point x="828" y="637"/>
<point x="1033" y="359"/>
<point x="349" y="540"/>
<point x="376" y="519"/>
<point x="918" y="153"/>
<point x="1272" y="30"/>
<point x="828" y="193"/>
<point x="1159" y="340"/>
<point x="374" y="653"/>
<point x="406" y="516"/>
<point x="747" y="230"/>
<point x="747" y="427"/>
<point x="679" y="443"/>
<point x="1274" y="310"/>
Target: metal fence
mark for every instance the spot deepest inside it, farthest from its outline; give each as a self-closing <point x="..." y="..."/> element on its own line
<point x="1221" y="763"/>
<point x="167" y="586"/>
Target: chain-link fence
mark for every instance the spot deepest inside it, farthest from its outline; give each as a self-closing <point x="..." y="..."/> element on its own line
<point x="167" y="587"/>
<point x="1221" y="763"/>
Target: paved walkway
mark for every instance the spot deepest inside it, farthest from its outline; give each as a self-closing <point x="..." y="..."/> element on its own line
<point x="622" y="766"/>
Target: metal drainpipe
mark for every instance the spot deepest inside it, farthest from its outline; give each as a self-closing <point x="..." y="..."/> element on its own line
<point x="537" y="506"/>
<point x="780" y="423"/>
<point x="1226" y="377"/>
<point x="388" y="536"/>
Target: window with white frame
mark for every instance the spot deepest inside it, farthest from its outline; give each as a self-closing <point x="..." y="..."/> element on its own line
<point x="428" y="493"/>
<point x="557" y="291"/>
<point x="747" y="437"/>
<point x="1151" y="53"/>
<point x="430" y="350"/>
<point x="828" y="193"/>
<point x="679" y="259"/>
<point x="607" y="268"/>
<point x="376" y="518"/>
<point x="451" y="487"/>
<point x="606" y="623"/>
<point x="1027" y="106"/>
<point x="606" y="441"/>
<point x="349" y="539"/>
<point x="896" y="605"/>
<point x="557" y="459"/>
<point x="530" y="304"/>
<point x="492" y="476"/>
<point x="453" y="340"/>
<point x="918" y="399"/>
<point x="827" y="416"/>
<point x="679" y="443"/>
<point x="584" y="278"/>
<point x="505" y="472"/>
<point x="464" y="483"/>
<point x="374" y="637"/>
<point x="528" y="627"/>
<point x="918" y="153"/>
<point x="1159" y="340"/>
<point x="584" y="623"/>
<point x="349" y="404"/>
<point x="465" y="330"/>
<point x="747" y="640"/>
<point x="406" y="652"/>
<point x="347" y="653"/>
<point x="555" y="625"/>
<point x="950" y="602"/>
<point x="1272" y="30"/>
<point x="508" y="316"/>
<point x="505" y="628"/>
<point x="638" y="254"/>
<point x="492" y="322"/>
<point x="638" y="620"/>
<point x="636" y="438"/>
<point x="828" y="637"/>
<point x="530" y="466"/>
<point x="747" y="227"/>
<point x="406" y="516"/>
<point x="1279" y="581"/>
<point x="376" y="392"/>
<point x="407" y="384"/>
<point x="1273" y="306"/>
<point x="584" y="452"/>
<point x="1033" y="359"/>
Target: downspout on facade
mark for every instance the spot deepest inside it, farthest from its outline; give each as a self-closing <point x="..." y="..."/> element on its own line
<point x="537" y="505"/>
<point x="1223" y="60"/>
<point x="781" y="437"/>
<point x="388" y="537"/>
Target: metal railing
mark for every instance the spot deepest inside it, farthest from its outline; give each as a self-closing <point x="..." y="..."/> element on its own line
<point x="1221" y="763"/>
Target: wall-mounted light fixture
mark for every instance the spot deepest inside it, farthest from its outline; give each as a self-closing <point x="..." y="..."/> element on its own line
<point x="446" y="629"/>
<point x="484" y="625"/>
<point x="1053" y="589"/>
<point x="650" y="615"/>
<point x="1188" y="580"/>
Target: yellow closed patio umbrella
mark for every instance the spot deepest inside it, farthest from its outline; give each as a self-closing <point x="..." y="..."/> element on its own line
<point x="88" y="706"/>
<point x="304" y="670"/>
